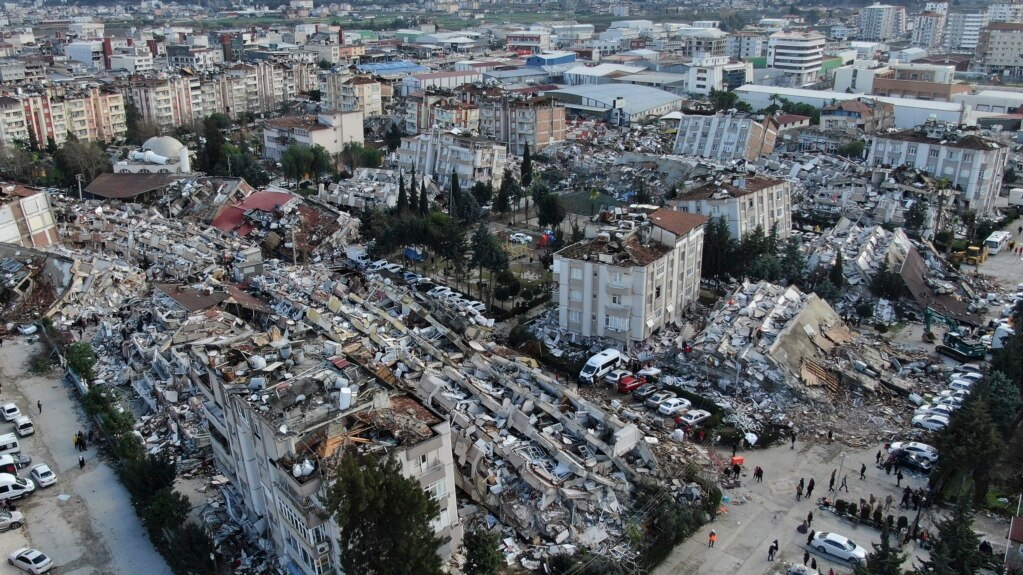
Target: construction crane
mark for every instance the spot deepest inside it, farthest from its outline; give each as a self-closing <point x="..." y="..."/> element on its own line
<point x="953" y="344"/>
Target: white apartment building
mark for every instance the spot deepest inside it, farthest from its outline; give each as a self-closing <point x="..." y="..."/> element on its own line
<point x="962" y="31"/>
<point x="1009" y="12"/>
<point x="88" y="52"/>
<point x="973" y="164"/>
<point x="88" y="111"/>
<point x="929" y="29"/>
<point x="437" y="153"/>
<point x="11" y="71"/>
<point x="744" y="45"/>
<point x="744" y="203"/>
<point x="725" y="137"/>
<point x="625" y="289"/>
<point x="1000" y="50"/>
<point x="330" y="130"/>
<point x="882" y="22"/>
<point x="798" y="54"/>
<point x="358" y="94"/>
<point x="13" y="123"/>
<point x="138" y="63"/>
<point x="26" y="218"/>
<point x="939" y="7"/>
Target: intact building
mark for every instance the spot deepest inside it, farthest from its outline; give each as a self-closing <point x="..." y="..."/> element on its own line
<point x="332" y="131"/>
<point x="882" y="22"/>
<point x="973" y="164"/>
<point x="1000" y="49"/>
<point x="929" y="29"/>
<point x="798" y="54"/>
<point x="962" y="31"/>
<point x="627" y="286"/>
<point x="744" y="202"/>
<point x="725" y="137"/>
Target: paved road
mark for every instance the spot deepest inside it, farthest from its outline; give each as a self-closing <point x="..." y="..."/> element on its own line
<point x="95" y="530"/>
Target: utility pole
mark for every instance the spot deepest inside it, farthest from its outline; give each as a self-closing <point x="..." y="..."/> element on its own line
<point x="79" y="177"/>
<point x="294" y="246"/>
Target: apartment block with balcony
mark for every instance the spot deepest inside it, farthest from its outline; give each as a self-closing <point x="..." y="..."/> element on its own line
<point x="798" y="54"/>
<point x="626" y="286"/>
<point x="439" y="153"/>
<point x="1000" y="49"/>
<point x="517" y="122"/>
<point x="862" y="115"/>
<point x="330" y="130"/>
<point x="745" y="202"/>
<point x="882" y="22"/>
<point x="929" y="30"/>
<point x="962" y="31"/>
<point x="90" y="112"/>
<point x="346" y="93"/>
<point x="725" y="137"/>
<point x="973" y="164"/>
<point x="13" y="123"/>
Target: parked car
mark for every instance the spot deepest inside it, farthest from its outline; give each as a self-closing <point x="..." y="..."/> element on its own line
<point x="377" y="265"/>
<point x="966" y="368"/>
<point x="960" y="385"/>
<point x="974" y="376"/>
<point x="693" y="417"/>
<point x="10" y="411"/>
<point x="655" y="400"/>
<point x="839" y="546"/>
<point x="411" y="277"/>
<point x="644" y="392"/>
<point x="440" y="291"/>
<point x="42" y="475"/>
<point x="393" y="268"/>
<point x="912" y="461"/>
<point x="615" y="376"/>
<point x="520" y="238"/>
<point x="651" y="373"/>
<point x="673" y="406"/>
<point x="630" y="383"/>
<point x="27" y="329"/>
<point x="936" y="409"/>
<point x="23" y="426"/>
<point x="31" y="560"/>
<point x="931" y="422"/>
<point x="11" y="520"/>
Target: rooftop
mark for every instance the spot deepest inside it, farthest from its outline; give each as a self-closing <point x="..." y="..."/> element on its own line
<point x="678" y="223"/>
<point x="624" y="253"/>
<point x="970" y="142"/>
<point x="735" y="188"/>
<point x="307" y="123"/>
<point x="120" y="186"/>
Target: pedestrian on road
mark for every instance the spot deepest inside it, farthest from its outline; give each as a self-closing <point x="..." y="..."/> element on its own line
<point x="872" y="501"/>
<point x="809" y="518"/>
<point x="831" y="484"/>
<point x="793" y="439"/>
<point x="813" y="564"/>
<point x="809" y="488"/>
<point x="898" y="479"/>
<point x="772" y="550"/>
<point x="863" y="471"/>
<point x="844" y="485"/>
<point x="831" y="435"/>
<point x="736" y="469"/>
<point x="809" y="537"/>
<point x="916" y="501"/>
<point x="877" y="458"/>
<point x="806" y="557"/>
<point x="713" y="538"/>
<point x="888" y="502"/>
<point x="39" y="404"/>
<point x="905" y="498"/>
<point x="799" y="491"/>
<point x="81" y="462"/>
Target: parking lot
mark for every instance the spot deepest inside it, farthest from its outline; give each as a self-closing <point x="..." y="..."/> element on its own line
<point x="85" y="522"/>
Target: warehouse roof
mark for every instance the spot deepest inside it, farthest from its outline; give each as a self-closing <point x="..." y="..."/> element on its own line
<point x="636" y="99"/>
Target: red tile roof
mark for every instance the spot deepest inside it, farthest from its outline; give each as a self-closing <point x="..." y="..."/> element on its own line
<point x="678" y="223"/>
<point x="232" y="218"/>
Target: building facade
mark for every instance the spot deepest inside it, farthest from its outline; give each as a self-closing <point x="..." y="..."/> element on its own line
<point x="745" y="203"/>
<point x="536" y="122"/>
<point x="929" y="30"/>
<point x="745" y="45"/>
<point x="882" y="22"/>
<point x="725" y="137"/>
<point x="90" y="112"/>
<point x="26" y="218"/>
<point x="962" y="31"/>
<point x="330" y="130"/>
<point x="973" y="165"/>
<point x="1000" y="49"/>
<point x="438" y="153"/>
<point x="626" y="289"/>
<point x="864" y="115"/>
<point x="798" y="54"/>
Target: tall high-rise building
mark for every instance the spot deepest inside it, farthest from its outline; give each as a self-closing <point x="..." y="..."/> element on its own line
<point x="929" y="29"/>
<point x="798" y="54"/>
<point x="882" y="22"/>
<point x="1011" y="12"/>
<point x="962" y="31"/>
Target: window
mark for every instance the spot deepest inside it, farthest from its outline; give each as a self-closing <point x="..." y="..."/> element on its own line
<point x="575" y="316"/>
<point x="617" y="277"/>
<point x="575" y="295"/>
<point x="933" y="153"/>
<point x="576" y="273"/>
<point x="967" y="157"/>
<point x="438" y="490"/>
<point x="657" y="292"/>
<point x="616" y="323"/>
<point x="616" y="299"/>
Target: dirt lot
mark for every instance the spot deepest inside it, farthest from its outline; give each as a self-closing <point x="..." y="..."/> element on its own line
<point x="85" y="522"/>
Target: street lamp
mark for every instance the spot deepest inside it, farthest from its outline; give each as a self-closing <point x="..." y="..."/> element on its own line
<point x="79" y="178"/>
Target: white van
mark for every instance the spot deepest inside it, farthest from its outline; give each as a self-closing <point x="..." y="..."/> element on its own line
<point x="600" y="365"/>
<point x="23" y="426"/>
<point x="9" y="444"/>
<point x="12" y="487"/>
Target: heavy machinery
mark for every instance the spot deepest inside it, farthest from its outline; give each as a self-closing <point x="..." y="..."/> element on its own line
<point x="976" y="255"/>
<point x="953" y="344"/>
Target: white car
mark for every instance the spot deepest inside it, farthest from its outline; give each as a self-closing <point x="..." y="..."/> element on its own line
<point x="969" y="376"/>
<point x="942" y="409"/>
<point x="10" y="412"/>
<point x="966" y="368"/>
<point x="673" y="406"/>
<point x="961" y="385"/>
<point x="839" y="546"/>
<point x="31" y="560"/>
<point x="922" y="449"/>
<point x="440" y="291"/>
<point x="393" y="268"/>
<point x="27" y="329"/>
<point x="693" y="417"/>
<point x="931" y="422"/>
<point x="11" y="520"/>
<point x="377" y="265"/>
<point x="520" y="238"/>
<point x="42" y="475"/>
<point x="615" y="376"/>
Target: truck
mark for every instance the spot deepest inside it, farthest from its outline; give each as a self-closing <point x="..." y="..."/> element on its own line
<point x="1016" y="197"/>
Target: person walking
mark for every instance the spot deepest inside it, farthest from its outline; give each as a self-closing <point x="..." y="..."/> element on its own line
<point x="888" y="502"/>
<point x="809" y="488"/>
<point x="39" y="404"/>
<point x="772" y="550"/>
<point x="898" y="479"/>
<point x="831" y="435"/>
<point x="809" y="537"/>
<point x="916" y="501"/>
<point x="877" y="458"/>
<point x="809" y="518"/>
<point x="905" y="498"/>
<point x="793" y="439"/>
<point x="844" y="484"/>
<point x="813" y="564"/>
<point x="799" y="491"/>
<point x="713" y="538"/>
<point x="806" y="557"/>
<point x="81" y="462"/>
<point x="831" y="483"/>
<point x="863" y="471"/>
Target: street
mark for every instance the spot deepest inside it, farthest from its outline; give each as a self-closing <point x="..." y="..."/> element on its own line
<point x="94" y="529"/>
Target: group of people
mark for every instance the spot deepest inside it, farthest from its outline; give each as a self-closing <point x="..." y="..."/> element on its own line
<point x="81" y="442"/>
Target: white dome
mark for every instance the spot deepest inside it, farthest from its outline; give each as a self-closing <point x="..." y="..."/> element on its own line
<point x="165" y="146"/>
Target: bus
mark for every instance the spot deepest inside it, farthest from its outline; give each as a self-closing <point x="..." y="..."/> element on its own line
<point x="997" y="241"/>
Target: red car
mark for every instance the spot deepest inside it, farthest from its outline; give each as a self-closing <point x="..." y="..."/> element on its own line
<point x="630" y="383"/>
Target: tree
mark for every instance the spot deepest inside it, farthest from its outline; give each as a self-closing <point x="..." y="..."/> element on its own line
<point x="550" y="211"/>
<point x="793" y="262"/>
<point x="81" y="359"/>
<point x="132" y="124"/>
<point x="392" y="137"/>
<point x="483" y="192"/>
<point x="383" y="518"/>
<point x="956" y="547"/>
<point x="321" y="162"/>
<point x="454" y="194"/>
<point x="212" y="156"/>
<point x="147" y="475"/>
<point x="85" y="158"/>
<point x="166" y="509"/>
<point x="324" y="64"/>
<point x="189" y="551"/>
<point x="827" y="291"/>
<point x="886" y="283"/>
<point x="17" y="163"/>
<point x="51" y="145"/>
<point x="32" y="145"/>
<point x="916" y="214"/>
<point x="718" y="249"/>
<point x="836" y="275"/>
<point x="723" y="100"/>
<point x="526" y="168"/>
<point x="504" y="193"/>
<point x="765" y="267"/>
<point x="295" y="161"/>
<point x="853" y="149"/>
<point x="358" y="156"/>
<point x="424" y="199"/>
<point x="1003" y="400"/>
<point x="1007" y="360"/>
<point x="884" y="559"/>
<point x="969" y="445"/>
<point x="221" y="120"/>
<point x="402" y="206"/>
<point x="413" y="197"/>
<point x="315" y="95"/>
<point x="482" y="552"/>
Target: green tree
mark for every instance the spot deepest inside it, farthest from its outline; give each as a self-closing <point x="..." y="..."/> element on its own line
<point x="550" y="211"/>
<point x="212" y="156"/>
<point x="956" y="547"/>
<point x="221" y="120"/>
<point x="314" y="95"/>
<point x="424" y="199"/>
<point x="454" y="194"/>
<point x="916" y="215"/>
<point x="383" y="518"/>
<point x="1009" y="359"/>
<point x="723" y="100"/>
<point x="77" y="157"/>
<point x="827" y="291"/>
<point x="324" y="64"/>
<point x="793" y="262"/>
<point x="33" y="141"/>
<point x="413" y="198"/>
<point x="321" y="162"/>
<point x="718" y="249"/>
<point x="483" y="192"/>
<point x="969" y="446"/>
<point x="296" y="161"/>
<point x="392" y="137"/>
<point x="81" y="358"/>
<point x="189" y="551"/>
<point x="765" y="267"/>
<point x="166" y="509"/>
<point x="887" y="283"/>
<point x="402" y="206"/>
<point x="884" y="559"/>
<point x="147" y="475"/>
<point x="836" y="275"/>
<point x="482" y="552"/>
<point x="526" y="169"/>
<point x="1003" y="401"/>
<point x="505" y="193"/>
<point x="853" y="149"/>
<point x="51" y="145"/>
